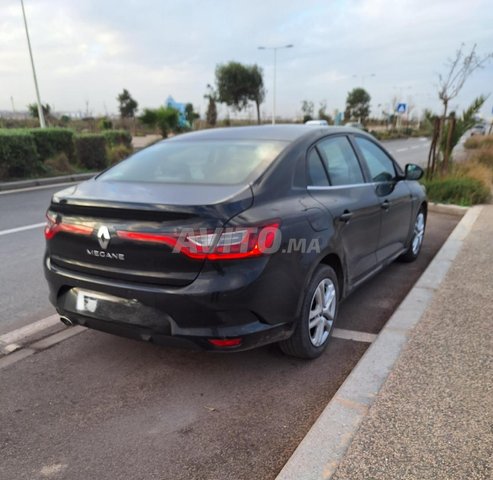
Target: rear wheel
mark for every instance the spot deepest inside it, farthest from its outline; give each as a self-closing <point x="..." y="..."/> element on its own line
<point x="318" y="315"/>
<point x="417" y="240"/>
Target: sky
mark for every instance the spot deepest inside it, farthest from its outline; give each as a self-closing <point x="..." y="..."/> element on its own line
<point x="87" y="51"/>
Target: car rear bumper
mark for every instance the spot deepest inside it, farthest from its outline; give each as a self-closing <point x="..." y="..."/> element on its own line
<point x="216" y="306"/>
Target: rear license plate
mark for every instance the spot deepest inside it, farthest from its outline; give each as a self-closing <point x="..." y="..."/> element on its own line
<point x="86" y="302"/>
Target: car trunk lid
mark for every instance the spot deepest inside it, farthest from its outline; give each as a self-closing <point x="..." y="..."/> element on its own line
<point x="122" y="230"/>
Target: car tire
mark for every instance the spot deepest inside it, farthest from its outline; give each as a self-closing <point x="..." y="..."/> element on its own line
<point x="416" y="242"/>
<point x="318" y="315"/>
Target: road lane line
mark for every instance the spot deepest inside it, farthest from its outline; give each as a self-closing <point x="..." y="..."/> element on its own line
<point x="354" y="335"/>
<point x="16" y="336"/>
<point x="21" y="229"/>
<point x="402" y="149"/>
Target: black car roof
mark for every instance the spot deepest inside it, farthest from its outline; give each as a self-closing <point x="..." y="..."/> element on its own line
<point x="289" y="133"/>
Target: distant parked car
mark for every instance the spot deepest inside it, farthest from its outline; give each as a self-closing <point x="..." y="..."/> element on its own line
<point x="478" y="129"/>
<point x="319" y="123"/>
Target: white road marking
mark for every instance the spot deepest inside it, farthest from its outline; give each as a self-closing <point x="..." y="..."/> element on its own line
<point x="20" y="334"/>
<point x="15" y="357"/>
<point x="21" y="229"/>
<point x="402" y="149"/>
<point x="354" y="335"/>
<point x="39" y="187"/>
<point x="13" y="352"/>
<point x="57" y="337"/>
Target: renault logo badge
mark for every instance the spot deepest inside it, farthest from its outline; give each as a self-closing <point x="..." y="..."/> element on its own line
<point x="104" y="237"/>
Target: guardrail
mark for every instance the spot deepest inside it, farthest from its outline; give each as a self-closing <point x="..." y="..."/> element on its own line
<point x="38" y="182"/>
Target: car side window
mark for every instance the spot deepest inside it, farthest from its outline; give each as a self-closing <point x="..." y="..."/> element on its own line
<point x="381" y="166"/>
<point x="316" y="172"/>
<point x="341" y="161"/>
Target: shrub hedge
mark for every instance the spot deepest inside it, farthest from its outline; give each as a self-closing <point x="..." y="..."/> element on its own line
<point x="117" y="153"/>
<point x="53" y="141"/>
<point x="117" y="137"/>
<point x="18" y="155"/>
<point x="458" y="190"/>
<point x="91" y="151"/>
<point x="30" y="152"/>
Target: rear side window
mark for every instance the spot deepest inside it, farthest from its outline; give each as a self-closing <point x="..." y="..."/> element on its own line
<point x="217" y="162"/>
<point x="316" y="171"/>
<point x="381" y="166"/>
<point x="341" y="161"/>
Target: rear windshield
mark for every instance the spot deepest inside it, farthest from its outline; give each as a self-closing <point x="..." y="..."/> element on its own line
<point x="199" y="162"/>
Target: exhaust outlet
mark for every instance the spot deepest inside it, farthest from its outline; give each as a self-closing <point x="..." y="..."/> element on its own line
<point x="67" y="321"/>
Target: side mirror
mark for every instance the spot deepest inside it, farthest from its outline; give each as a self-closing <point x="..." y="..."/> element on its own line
<point x="413" y="172"/>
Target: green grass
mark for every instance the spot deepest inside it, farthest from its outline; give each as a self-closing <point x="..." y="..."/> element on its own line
<point x="457" y="190"/>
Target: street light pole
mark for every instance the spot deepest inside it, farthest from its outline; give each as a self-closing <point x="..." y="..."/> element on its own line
<point x="274" y="77"/>
<point x="41" y="116"/>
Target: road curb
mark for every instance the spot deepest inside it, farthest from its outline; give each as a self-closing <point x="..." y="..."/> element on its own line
<point x="447" y="209"/>
<point x="320" y="452"/>
<point x="42" y="182"/>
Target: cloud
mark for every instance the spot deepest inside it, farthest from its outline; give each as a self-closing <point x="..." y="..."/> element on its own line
<point x="91" y="50"/>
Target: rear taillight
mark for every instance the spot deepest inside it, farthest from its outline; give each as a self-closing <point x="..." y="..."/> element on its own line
<point x="225" y="342"/>
<point x="225" y="244"/>
<point x="54" y="226"/>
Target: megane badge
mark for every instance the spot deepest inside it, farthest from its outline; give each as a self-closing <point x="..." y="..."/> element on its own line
<point x="104" y="237"/>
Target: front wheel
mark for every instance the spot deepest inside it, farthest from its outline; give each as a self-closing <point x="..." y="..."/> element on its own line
<point x="412" y="252"/>
<point x="317" y="318"/>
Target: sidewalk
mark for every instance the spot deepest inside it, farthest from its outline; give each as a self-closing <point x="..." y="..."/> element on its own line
<point x="433" y="418"/>
<point x="419" y="403"/>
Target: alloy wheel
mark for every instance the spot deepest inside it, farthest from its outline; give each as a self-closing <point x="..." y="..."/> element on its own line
<point x="419" y="231"/>
<point x="322" y="312"/>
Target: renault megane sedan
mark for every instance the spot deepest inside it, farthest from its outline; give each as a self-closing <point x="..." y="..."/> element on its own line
<point x="228" y="239"/>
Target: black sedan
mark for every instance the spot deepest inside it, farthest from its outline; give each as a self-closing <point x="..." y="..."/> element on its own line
<point x="228" y="239"/>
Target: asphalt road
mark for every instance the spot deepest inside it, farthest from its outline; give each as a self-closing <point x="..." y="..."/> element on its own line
<point x="99" y="406"/>
<point x="24" y="297"/>
<point x="24" y="293"/>
<point x="410" y="150"/>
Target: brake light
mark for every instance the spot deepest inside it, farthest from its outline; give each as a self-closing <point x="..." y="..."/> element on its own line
<point x="225" y="342"/>
<point x="227" y="244"/>
<point x="53" y="226"/>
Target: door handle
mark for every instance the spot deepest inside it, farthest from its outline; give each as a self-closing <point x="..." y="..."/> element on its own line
<point x="385" y="205"/>
<point x="346" y="216"/>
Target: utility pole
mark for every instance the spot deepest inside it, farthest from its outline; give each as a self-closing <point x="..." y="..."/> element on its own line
<point x="274" y="77"/>
<point x="41" y="116"/>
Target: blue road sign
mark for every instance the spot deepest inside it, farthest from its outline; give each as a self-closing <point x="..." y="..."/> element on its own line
<point x="401" y="108"/>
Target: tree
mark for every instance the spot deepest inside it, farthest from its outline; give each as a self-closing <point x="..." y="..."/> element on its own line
<point x="462" y="124"/>
<point x="33" y="110"/>
<point x="190" y="114"/>
<point x="357" y="104"/>
<point x="257" y="94"/>
<point x="211" y="114"/>
<point x="460" y="68"/>
<point x="322" y="112"/>
<point x="307" y="109"/>
<point x="164" y="118"/>
<point x="127" y="105"/>
<point x="238" y="84"/>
